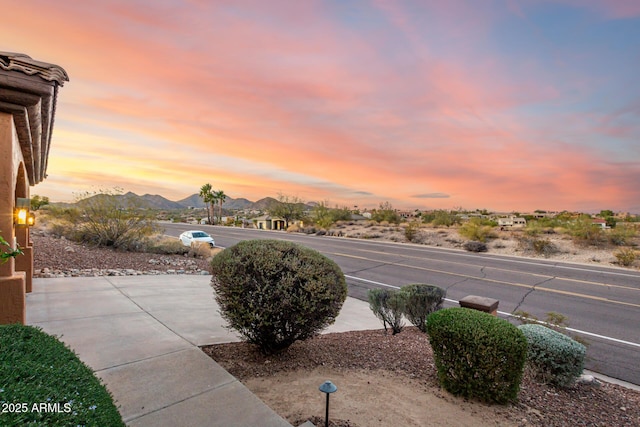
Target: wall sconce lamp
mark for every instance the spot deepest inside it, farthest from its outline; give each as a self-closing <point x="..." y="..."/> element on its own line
<point x="22" y="214"/>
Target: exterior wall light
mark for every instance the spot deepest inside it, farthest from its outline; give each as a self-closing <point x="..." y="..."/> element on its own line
<point x="327" y="387"/>
<point x="22" y="211"/>
<point x="31" y="219"/>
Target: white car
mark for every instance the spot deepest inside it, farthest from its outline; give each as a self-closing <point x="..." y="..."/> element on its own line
<point x="196" y="236"/>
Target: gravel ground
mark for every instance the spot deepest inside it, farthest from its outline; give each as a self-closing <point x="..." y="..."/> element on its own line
<point x="407" y="354"/>
<point x="58" y="257"/>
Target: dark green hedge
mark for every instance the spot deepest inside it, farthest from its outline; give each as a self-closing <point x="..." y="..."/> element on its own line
<point x="275" y="292"/>
<point x="42" y="382"/>
<point x="476" y="354"/>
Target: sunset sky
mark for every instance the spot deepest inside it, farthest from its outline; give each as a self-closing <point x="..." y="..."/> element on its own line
<point x="497" y="104"/>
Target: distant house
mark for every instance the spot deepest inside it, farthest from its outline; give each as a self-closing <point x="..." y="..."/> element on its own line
<point x="267" y="222"/>
<point x="512" y="221"/>
<point x="599" y="222"/>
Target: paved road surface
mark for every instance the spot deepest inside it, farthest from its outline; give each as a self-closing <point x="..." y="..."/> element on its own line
<point x="603" y="302"/>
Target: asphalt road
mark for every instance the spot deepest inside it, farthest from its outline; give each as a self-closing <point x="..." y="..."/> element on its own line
<point x="602" y="304"/>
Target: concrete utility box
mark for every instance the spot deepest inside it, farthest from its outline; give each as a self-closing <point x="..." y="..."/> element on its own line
<point x="488" y="305"/>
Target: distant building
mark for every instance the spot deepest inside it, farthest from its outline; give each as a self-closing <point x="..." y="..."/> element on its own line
<point x="512" y="221"/>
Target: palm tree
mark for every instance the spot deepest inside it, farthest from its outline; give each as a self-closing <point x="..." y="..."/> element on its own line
<point x="220" y="197"/>
<point x="208" y="198"/>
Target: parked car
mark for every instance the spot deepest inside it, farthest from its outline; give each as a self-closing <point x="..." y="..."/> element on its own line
<point x="196" y="236"/>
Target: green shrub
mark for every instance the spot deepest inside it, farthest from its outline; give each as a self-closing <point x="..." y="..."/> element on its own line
<point x="275" y="292"/>
<point x="555" y="358"/>
<point x="37" y="369"/>
<point x="388" y="305"/>
<point x="622" y="235"/>
<point x="626" y="256"/>
<point x="585" y="232"/>
<point x="476" y="354"/>
<point x="474" y="229"/>
<point x="420" y="301"/>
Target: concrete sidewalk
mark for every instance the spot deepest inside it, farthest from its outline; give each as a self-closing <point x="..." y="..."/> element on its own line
<point x="140" y="334"/>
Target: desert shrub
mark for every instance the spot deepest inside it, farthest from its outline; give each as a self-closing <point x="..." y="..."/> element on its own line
<point x="420" y="301"/>
<point x="388" y="305"/>
<point x="474" y="229"/>
<point x="621" y="235"/>
<point x="442" y="217"/>
<point x="275" y="292"/>
<point x="109" y="218"/>
<point x="37" y="368"/>
<point x="293" y="228"/>
<point x="555" y="358"/>
<point x="386" y="214"/>
<point x="412" y="231"/>
<point x="159" y="244"/>
<point x="200" y="250"/>
<point x="476" y="354"/>
<point x="543" y="247"/>
<point x="584" y="232"/>
<point x="475" y="246"/>
<point x="626" y="256"/>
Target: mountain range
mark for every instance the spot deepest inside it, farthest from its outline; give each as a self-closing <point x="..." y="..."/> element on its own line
<point x="155" y="201"/>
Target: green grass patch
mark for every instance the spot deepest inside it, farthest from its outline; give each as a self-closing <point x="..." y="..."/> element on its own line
<point x="42" y="382"/>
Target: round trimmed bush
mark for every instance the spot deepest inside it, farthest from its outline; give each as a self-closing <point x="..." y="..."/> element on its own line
<point x="275" y="292"/>
<point x="556" y="358"/>
<point x="476" y="354"/>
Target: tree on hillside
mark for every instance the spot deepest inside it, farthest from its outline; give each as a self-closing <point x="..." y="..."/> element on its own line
<point x="220" y="197"/>
<point x="208" y="198"/>
<point x="288" y="208"/>
<point x="37" y="202"/>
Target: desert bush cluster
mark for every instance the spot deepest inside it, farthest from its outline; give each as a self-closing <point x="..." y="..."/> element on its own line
<point x="104" y="218"/>
<point x="414" y="302"/>
<point x="276" y="292"/>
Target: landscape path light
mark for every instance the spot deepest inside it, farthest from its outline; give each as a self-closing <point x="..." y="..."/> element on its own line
<point x="327" y="387"/>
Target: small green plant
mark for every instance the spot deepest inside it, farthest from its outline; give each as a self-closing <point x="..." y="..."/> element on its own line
<point x="275" y="292"/>
<point x="476" y="354"/>
<point x="626" y="256"/>
<point x="388" y="305"/>
<point x="37" y="369"/>
<point x="7" y="254"/>
<point x="420" y="301"/>
<point x="555" y="358"/>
